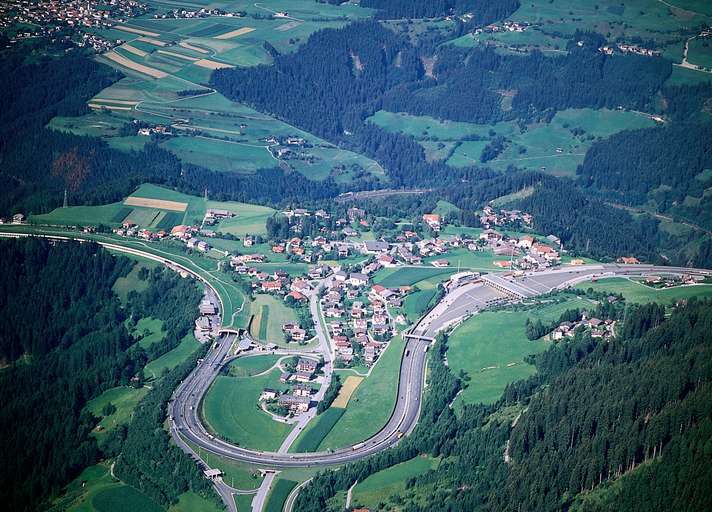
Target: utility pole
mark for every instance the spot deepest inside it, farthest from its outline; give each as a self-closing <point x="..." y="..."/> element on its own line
<point x="65" y="204"/>
<point x="206" y="193"/>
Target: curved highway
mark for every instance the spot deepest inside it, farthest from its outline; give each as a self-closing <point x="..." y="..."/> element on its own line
<point x="457" y="305"/>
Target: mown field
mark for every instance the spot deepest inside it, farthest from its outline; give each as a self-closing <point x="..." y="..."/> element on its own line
<point x="378" y="487"/>
<point x="251" y="366"/>
<point x="172" y="358"/>
<point x="490" y="347"/>
<point x="124" y="398"/>
<point x="270" y="314"/>
<point x="232" y="411"/>
<point x="394" y="277"/>
<point x="557" y="147"/>
<point x="371" y="404"/>
<point x="634" y="291"/>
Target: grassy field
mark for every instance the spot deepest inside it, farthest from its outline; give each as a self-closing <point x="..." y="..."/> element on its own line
<point x="231" y="409"/>
<point x="490" y="348"/>
<point x="393" y="277"/>
<point x="250" y="366"/>
<point x="124" y="398"/>
<point x="700" y="52"/>
<point x="371" y="404"/>
<point x="552" y="147"/>
<point x="172" y="358"/>
<point x="191" y="502"/>
<point x="131" y="281"/>
<point x="318" y="428"/>
<point x="272" y="313"/>
<point x="278" y="495"/>
<point x="250" y="218"/>
<point x="380" y="486"/>
<point x="466" y="259"/>
<point x="124" y="499"/>
<point x="110" y="214"/>
<point x="634" y="291"/>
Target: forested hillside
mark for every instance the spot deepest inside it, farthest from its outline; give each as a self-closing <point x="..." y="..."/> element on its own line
<point x="633" y="413"/>
<point x="483" y="11"/>
<point x="65" y="342"/>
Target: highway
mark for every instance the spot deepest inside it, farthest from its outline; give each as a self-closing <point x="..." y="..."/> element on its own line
<point x="456" y="306"/>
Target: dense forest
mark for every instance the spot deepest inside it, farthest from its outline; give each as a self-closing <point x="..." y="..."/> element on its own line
<point x="624" y="419"/>
<point x="68" y="329"/>
<point x="66" y="342"/>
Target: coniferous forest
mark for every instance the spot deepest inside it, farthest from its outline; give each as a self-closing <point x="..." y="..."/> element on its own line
<point x="65" y="341"/>
<point x="606" y="424"/>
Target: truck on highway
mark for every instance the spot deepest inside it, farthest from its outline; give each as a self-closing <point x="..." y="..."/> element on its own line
<point x="357" y="446"/>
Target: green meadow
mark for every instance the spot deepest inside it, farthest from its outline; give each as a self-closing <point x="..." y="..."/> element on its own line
<point x="557" y="147"/>
<point x="490" y="348"/>
<point x="270" y="315"/>
<point x="634" y="291"/>
<point x="378" y="487"/>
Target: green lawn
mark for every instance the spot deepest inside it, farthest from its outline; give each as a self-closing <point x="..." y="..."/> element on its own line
<point x="417" y="302"/>
<point x="124" y="398"/>
<point x="637" y="292"/>
<point x="172" y="358"/>
<point x="124" y="499"/>
<point x="381" y="485"/>
<point x="466" y="259"/>
<point x="490" y="347"/>
<point x="371" y="404"/>
<point x="277" y="315"/>
<point x="150" y="330"/>
<point x="231" y="409"/>
<point x="278" y="494"/>
<point x="250" y="366"/>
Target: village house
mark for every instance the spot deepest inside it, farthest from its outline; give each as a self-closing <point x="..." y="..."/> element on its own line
<point x="269" y="394"/>
<point x="294" y="403"/>
<point x="432" y="220"/>
<point x="302" y="390"/>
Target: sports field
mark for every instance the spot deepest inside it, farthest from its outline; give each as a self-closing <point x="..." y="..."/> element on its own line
<point x="634" y="291"/>
<point x="378" y="487"/>
<point x="491" y="346"/>
<point x="371" y="404"/>
<point x="232" y="411"/>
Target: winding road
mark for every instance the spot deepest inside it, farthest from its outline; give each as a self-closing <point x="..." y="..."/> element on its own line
<point x="462" y="302"/>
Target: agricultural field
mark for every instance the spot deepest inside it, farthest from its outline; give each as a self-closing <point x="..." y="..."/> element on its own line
<point x="371" y="404"/>
<point x="557" y="147"/>
<point x="700" y="52"/>
<point x="270" y="313"/>
<point x="378" y="487"/>
<point x="554" y="21"/>
<point x="231" y="409"/>
<point x="317" y="429"/>
<point x="490" y="348"/>
<point x="161" y="58"/>
<point x="634" y="291"/>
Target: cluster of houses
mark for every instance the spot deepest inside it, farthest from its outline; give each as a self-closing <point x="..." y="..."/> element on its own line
<point x="359" y="328"/>
<point x="599" y="328"/>
<point x="669" y="281"/>
<point x="490" y="218"/>
<point x="505" y="26"/>
<point x="629" y="48"/>
<point x="158" y="129"/>
<point x="205" y="12"/>
<point x="208" y="323"/>
<point x="298" y="398"/>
